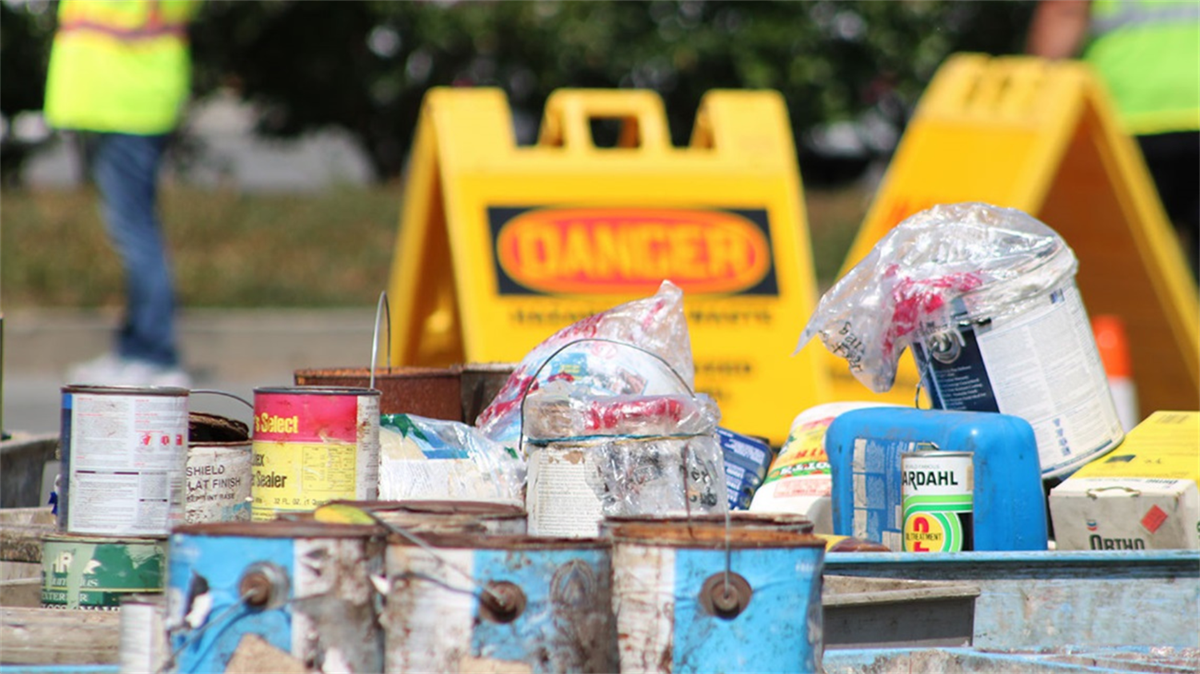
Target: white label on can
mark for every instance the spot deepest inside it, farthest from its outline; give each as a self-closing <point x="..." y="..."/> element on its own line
<point x="561" y="499"/>
<point x="127" y="455"/>
<point x="218" y="483"/>
<point x="1048" y="372"/>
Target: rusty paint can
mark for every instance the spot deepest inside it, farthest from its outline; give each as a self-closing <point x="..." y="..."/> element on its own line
<point x="424" y="391"/>
<point x="303" y="588"/>
<point x="465" y="517"/>
<point x="92" y="572"/>
<point x="313" y="445"/>
<point x="711" y="598"/>
<point x="480" y="384"/>
<point x="218" y="471"/>
<point x="740" y="519"/>
<point x="499" y="603"/>
<point x="143" y="635"/>
<point x="123" y="455"/>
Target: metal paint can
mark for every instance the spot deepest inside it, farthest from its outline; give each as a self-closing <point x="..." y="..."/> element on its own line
<point x="123" y="455"/>
<point x="465" y="517"/>
<point x="91" y="572"/>
<point x="218" y="471"/>
<point x="143" y="636"/>
<point x="432" y="392"/>
<point x="499" y="603"/>
<point x="303" y="588"/>
<point x="1036" y="360"/>
<point x="711" y="598"/>
<point x="313" y="445"/>
<point x="937" y="500"/>
<point x="480" y="384"/>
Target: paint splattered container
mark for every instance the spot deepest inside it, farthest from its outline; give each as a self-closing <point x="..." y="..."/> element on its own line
<point x="92" y="572"/>
<point x="424" y="391"/>
<point x="313" y="445"/>
<point x="143" y="635"/>
<point x="297" y="591"/>
<point x="123" y="455"/>
<point x="711" y="598"/>
<point x="219" y="470"/>
<point x="499" y="603"/>
<point x="465" y="517"/>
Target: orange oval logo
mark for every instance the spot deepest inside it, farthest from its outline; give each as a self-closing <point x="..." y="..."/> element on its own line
<point x="623" y="250"/>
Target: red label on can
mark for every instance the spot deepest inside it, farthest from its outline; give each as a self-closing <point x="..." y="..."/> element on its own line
<point x="305" y="417"/>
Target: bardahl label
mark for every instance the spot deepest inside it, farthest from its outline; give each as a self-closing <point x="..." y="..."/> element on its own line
<point x="938" y="500"/>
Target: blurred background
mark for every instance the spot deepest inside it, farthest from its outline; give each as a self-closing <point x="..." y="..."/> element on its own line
<point x="295" y="144"/>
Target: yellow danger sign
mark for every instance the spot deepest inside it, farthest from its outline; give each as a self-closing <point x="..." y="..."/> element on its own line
<point x="1042" y="137"/>
<point x="501" y="245"/>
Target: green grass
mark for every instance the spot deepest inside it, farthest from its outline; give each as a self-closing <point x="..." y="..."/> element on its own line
<point x="324" y="249"/>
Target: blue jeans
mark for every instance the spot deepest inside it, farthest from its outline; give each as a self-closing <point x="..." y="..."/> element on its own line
<point x="125" y="169"/>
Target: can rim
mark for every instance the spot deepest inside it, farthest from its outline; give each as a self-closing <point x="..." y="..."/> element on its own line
<point x="318" y="390"/>
<point x="126" y="389"/>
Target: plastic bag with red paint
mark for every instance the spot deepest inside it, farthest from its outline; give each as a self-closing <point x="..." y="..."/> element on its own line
<point x="641" y="347"/>
<point x="942" y="263"/>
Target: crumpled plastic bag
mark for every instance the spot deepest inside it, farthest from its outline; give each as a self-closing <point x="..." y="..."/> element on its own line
<point x="640" y="347"/>
<point x="931" y="270"/>
<point x="422" y="458"/>
<point x="645" y="455"/>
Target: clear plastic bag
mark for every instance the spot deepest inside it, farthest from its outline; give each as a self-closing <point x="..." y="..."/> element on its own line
<point x="422" y="458"/>
<point x="641" y="347"/>
<point x="947" y="261"/>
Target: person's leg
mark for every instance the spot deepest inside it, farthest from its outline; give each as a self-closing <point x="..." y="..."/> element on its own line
<point x="125" y="169"/>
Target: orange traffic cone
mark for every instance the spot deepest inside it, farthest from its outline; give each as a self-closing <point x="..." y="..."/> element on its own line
<point x="1114" y="353"/>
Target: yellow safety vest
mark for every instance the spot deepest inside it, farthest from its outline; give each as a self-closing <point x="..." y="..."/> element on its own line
<point x="1148" y="53"/>
<point x="119" y="65"/>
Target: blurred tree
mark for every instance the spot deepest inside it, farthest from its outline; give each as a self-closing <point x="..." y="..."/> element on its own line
<point x="365" y="66"/>
<point x="25" y="32"/>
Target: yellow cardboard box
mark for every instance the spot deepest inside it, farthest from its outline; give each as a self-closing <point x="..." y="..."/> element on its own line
<point x="1141" y="495"/>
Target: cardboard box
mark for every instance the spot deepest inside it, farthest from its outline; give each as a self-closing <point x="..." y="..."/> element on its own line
<point x="1141" y="495"/>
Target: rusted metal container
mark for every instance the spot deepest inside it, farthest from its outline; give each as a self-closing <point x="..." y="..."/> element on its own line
<point x="480" y="384"/>
<point x="499" y="603"/>
<point x="219" y="470"/>
<point x="301" y="590"/>
<point x="709" y="598"/>
<point x="123" y="455"/>
<point x="424" y="391"/>
<point x="313" y="445"/>
<point x="739" y="519"/>
<point x="446" y="517"/>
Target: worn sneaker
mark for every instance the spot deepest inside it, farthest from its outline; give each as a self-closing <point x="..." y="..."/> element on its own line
<point x="113" y="370"/>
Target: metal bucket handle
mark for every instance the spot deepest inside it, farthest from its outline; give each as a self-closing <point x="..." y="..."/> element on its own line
<point x="381" y="307"/>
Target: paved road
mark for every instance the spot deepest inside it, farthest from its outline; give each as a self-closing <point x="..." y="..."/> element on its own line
<point x="234" y="351"/>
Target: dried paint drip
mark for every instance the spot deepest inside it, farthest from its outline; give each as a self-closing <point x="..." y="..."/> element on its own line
<point x="703" y="596"/>
<point x="499" y="603"/>
<point x="302" y="590"/>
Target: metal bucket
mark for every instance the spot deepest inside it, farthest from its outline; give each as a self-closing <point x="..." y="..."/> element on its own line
<point x="1039" y="363"/>
<point x="499" y="603"/>
<point x="301" y="591"/>
<point x="703" y="597"/>
<point x="313" y="445"/>
<point x="219" y="471"/>
<point x="446" y="517"/>
<point x="123" y="455"/>
<point x="424" y="391"/>
<point x="91" y="572"/>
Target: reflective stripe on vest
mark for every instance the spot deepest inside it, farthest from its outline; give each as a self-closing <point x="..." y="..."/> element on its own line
<point x="1110" y="16"/>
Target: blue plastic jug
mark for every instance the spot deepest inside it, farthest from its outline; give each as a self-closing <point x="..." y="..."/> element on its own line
<point x="865" y="448"/>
